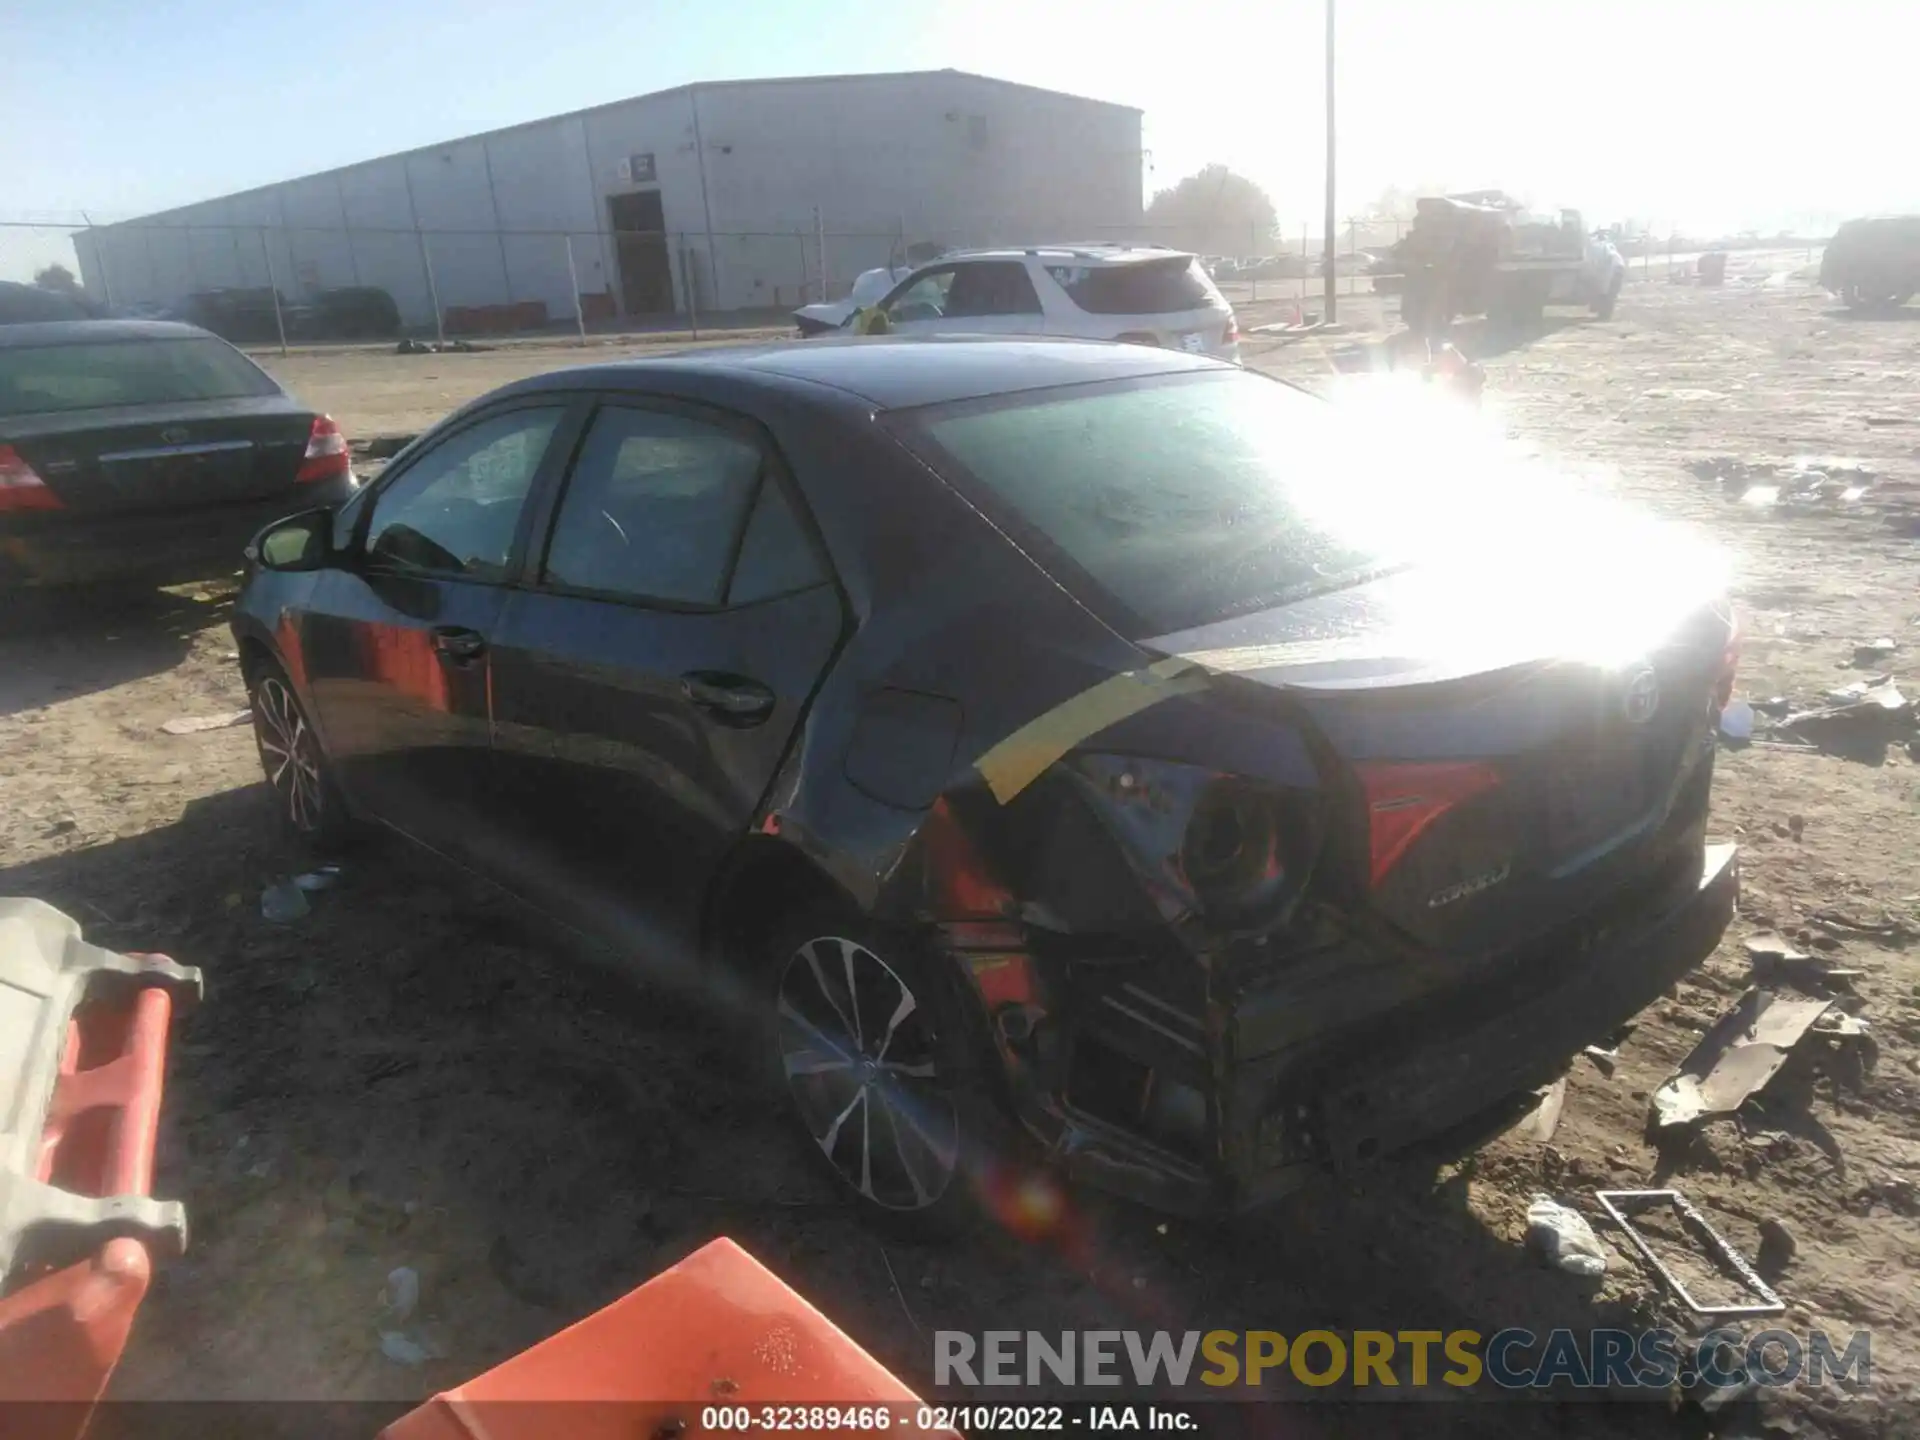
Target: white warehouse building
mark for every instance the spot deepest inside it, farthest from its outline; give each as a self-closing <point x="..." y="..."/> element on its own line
<point x="724" y="195"/>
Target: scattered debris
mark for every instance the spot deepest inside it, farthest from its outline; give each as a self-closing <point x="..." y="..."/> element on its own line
<point x="1777" y="1247"/>
<point x="194" y="724"/>
<point x="1736" y="720"/>
<point x="1545" y="1118"/>
<point x="321" y="877"/>
<point x="1603" y="1060"/>
<point x="1804" y="482"/>
<point x="1858" y="726"/>
<point x="1776" y="706"/>
<point x="1773" y="960"/>
<point x="283" y="902"/>
<point x="1736" y="1058"/>
<point x="1620" y="1205"/>
<point x="1874" y="652"/>
<point x="1562" y="1238"/>
<point x="427" y="347"/>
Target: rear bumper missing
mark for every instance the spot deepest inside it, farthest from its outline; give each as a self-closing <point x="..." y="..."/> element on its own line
<point x="1277" y="1121"/>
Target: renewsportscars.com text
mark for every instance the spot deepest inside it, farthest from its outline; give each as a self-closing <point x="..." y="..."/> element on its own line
<point x="1511" y="1359"/>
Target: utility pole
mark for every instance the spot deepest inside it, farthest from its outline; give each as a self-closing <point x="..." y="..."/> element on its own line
<point x="1328" y="239"/>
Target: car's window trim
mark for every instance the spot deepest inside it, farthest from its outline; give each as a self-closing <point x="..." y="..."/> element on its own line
<point x="563" y="438"/>
<point x="773" y="470"/>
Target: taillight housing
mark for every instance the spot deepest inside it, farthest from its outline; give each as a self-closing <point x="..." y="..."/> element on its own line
<point x="326" y="457"/>
<point x="1231" y="335"/>
<point x="1405" y="798"/>
<point x="20" y="488"/>
<point x="1729" y="662"/>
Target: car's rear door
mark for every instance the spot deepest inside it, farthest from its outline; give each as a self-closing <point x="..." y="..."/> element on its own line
<point x="649" y="678"/>
<point x="395" y="645"/>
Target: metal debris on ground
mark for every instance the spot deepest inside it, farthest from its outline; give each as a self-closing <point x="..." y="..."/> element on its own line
<point x="1803" y="482"/>
<point x="321" y="877"/>
<point x="1561" y="1237"/>
<point x="1874" y="652"/>
<point x="1621" y="1205"/>
<point x="1772" y="959"/>
<point x="283" y="902"/>
<point x="1736" y="720"/>
<point x="194" y="724"/>
<point x="1736" y="1058"/>
<point x="1859" y="725"/>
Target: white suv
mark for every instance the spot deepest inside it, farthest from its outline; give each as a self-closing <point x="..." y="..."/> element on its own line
<point x="1138" y="293"/>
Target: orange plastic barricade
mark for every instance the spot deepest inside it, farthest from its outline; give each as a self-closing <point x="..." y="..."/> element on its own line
<point x="84" y="1057"/>
<point x="696" y="1350"/>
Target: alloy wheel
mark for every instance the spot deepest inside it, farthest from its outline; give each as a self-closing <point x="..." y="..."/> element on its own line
<point x="288" y="753"/>
<point x="861" y="1059"/>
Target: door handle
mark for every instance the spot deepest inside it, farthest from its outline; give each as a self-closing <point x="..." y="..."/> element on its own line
<point x="458" y="644"/>
<point x="729" y="698"/>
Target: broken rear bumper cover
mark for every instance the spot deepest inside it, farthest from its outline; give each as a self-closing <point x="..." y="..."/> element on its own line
<point x="1275" y="1123"/>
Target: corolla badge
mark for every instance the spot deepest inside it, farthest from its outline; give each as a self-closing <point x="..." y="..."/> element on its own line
<point x="1640" y="695"/>
<point x="1471" y="886"/>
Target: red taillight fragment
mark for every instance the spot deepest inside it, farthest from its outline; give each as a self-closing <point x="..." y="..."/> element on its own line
<point x="20" y="488"/>
<point x="1231" y="335"/>
<point x="1404" y="798"/>
<point x="326" y="456"/>
<point x="1729" y="663"/>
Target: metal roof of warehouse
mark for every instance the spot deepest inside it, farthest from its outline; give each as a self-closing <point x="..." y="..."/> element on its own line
<point x="687" y="89"/>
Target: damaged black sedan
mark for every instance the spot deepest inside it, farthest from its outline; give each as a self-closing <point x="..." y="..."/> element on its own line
<point x="1085" y="735"/>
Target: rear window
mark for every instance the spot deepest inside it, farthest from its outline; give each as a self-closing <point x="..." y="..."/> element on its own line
<point x="42" y="379"/>
<point x="1185" y="499"/>
<point x="1144" y="287"/>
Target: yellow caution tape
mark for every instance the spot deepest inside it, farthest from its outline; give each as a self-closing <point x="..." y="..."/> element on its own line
<point x="1020" y="759"/>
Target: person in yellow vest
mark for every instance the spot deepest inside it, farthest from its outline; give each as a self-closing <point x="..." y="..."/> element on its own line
<point x="872" y="321"/>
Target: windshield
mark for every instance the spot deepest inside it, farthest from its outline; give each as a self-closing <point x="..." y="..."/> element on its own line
<point x="44" y="379"/>
<point x="1185" y="499"/>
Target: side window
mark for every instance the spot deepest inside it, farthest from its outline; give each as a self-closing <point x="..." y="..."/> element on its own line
<point x="924" y="298"/>
<point x="455" y="510"/>
<point x="654" y="508"/>
<point x="997" y="287"/>
<point x="775" y="557"/>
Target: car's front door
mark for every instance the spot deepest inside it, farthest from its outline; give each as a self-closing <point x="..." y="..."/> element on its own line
<point x="648" y="681"/>
<point x="976" y="297"/>
<point x="395" y="645"/>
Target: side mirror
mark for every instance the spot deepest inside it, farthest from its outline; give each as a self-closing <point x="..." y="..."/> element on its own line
<point x="299" y="542"/>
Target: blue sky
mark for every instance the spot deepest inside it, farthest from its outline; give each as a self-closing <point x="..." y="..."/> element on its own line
<point x="1704" y="113"/>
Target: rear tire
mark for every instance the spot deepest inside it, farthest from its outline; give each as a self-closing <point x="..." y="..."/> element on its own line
<point x="877" y="1060"/>
<point x="307" y="802"/>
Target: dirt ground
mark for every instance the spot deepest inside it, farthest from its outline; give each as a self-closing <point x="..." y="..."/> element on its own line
<point x="416" y="1074"/>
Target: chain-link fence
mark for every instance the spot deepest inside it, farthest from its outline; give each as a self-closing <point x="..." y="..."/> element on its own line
<point x="295" y="284"/>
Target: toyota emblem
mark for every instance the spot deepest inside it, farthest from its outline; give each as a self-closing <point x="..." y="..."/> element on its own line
<point x="1640" y="697"/>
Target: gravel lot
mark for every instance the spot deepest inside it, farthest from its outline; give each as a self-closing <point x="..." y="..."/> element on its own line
<point x="417" y="1074"/>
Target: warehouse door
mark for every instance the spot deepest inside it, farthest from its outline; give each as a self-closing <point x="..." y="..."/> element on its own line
<point x="640" y="246"/>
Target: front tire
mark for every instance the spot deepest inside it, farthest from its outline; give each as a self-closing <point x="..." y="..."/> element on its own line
<point x="882" y="1069"/>
<point x="307" y="802"/>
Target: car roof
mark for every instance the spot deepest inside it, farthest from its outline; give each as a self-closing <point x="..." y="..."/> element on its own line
<point x="893" y="372"/>
<point x="79" y="332"/>
<point x="1094" y="253"/>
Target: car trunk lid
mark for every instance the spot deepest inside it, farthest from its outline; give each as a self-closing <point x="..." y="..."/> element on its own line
<point x="1496" y="782"/>
<point x="164" y="457"/>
